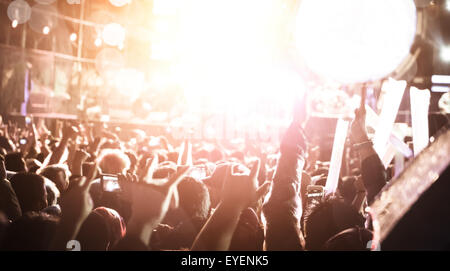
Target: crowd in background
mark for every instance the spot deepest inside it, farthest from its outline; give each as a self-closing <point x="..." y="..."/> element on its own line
<point x="111" y="189"/>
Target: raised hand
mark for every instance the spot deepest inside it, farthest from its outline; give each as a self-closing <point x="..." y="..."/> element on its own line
<point x="241" y="191"/>
<point x="76" y="205"/>
<point x="79" y="158"/>
<point x="149" y="201"/>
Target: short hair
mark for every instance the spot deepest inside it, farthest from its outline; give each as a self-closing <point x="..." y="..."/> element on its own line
<point x="14" y="162"/>
<point x="32" y="231"/>
<point x="30" y="191"/>
<point x="113" y="161"/>
<point x="327" y="218"/>
<point x="102" y="229"/>
<point x="53" y="193"/>
<point x="249" y="233"/>
<point x="353" y="239"/>
<point x="52" y="172"/>
<point x="5" y="143"/>
<point x="194" y="198"/>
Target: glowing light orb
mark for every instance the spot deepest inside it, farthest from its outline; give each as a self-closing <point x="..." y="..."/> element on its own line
<point x="46" y="30"/>
<point x="98" y="42"/>
<point x="19" y="11"/>
<point x="113" y="34"/>
<point x="119" y="3"/>
<point x="14" y="24"/>
<point x="355" y="40"/>
<point x="445" y="54"/>
<point x="43" y="16"/>
<point x="73" y="37"/>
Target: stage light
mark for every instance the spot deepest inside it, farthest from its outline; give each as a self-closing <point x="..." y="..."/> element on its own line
<point x="43" y="18"/>
<point x="113" y="34"/>
<point x="98" y="42"/>
<point x="46" y="30"/>
<point x="445" y="53"/>
<point x="73" y="37"/>
<point x="440" y="79"/>
<point x="119" y="3"/>
<point x="19" y="11"/>
<point x="14" y="24"/>
<point x="355" y="40"/>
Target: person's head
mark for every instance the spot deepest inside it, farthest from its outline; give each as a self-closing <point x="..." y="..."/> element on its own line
<point x="53" y="193"/>
<point x="15" y="162"/>
<point x="328" y="218"/>
<point x="249" y="233"/>
<point x="113" y="161"/>
<point x="103" y="228"/>
<point x="59" y="174"/>
<point x="194" y="198"/>
<point x="30" y="190"/>
<point x="33" y="165"/>
<point x="353" y="239"/>
<point x="32" y="231"/>
<point x="347" y="188"/>
<point x="6" y="144"/>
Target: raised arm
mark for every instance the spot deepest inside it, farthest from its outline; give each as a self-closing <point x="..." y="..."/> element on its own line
<point x="239" y="192"/>
<point x="372" y="170"/>
<point x="150" y="203"/>
<point x="68" y="133"/>
<point x="283" y="210"/>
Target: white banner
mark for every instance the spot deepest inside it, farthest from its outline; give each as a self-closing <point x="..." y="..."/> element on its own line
<point x="420" y="103"/>
<point x="336" y="156"/>
<point x="394" y="93"/>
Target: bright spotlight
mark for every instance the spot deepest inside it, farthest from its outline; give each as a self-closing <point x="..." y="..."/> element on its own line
<point x="445" y="53"/>
<point x="14" y="23"/>
<point x="46" y="30"/>
<point x="447" y="5"/>
<point x="113" y="34"/>
<point x="73" y="37"/>
<point x="119" y="3"/>
<point x="355" y="40"/>
<point x="98" y="42"/>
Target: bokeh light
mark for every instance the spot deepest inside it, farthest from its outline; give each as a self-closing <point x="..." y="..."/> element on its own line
<point x="355" y="40"/>
<point x="45" y="30"/>
<point x="98" y="42"/>
<point x="227" y="54"/>
<point x="43" y="16"/>
<point x="119" y="3"/>
<point x="73" y="37"/>
<point x="20" y="11"/>
<point x="445" y="53"/>
<point x="113" y="34"/>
